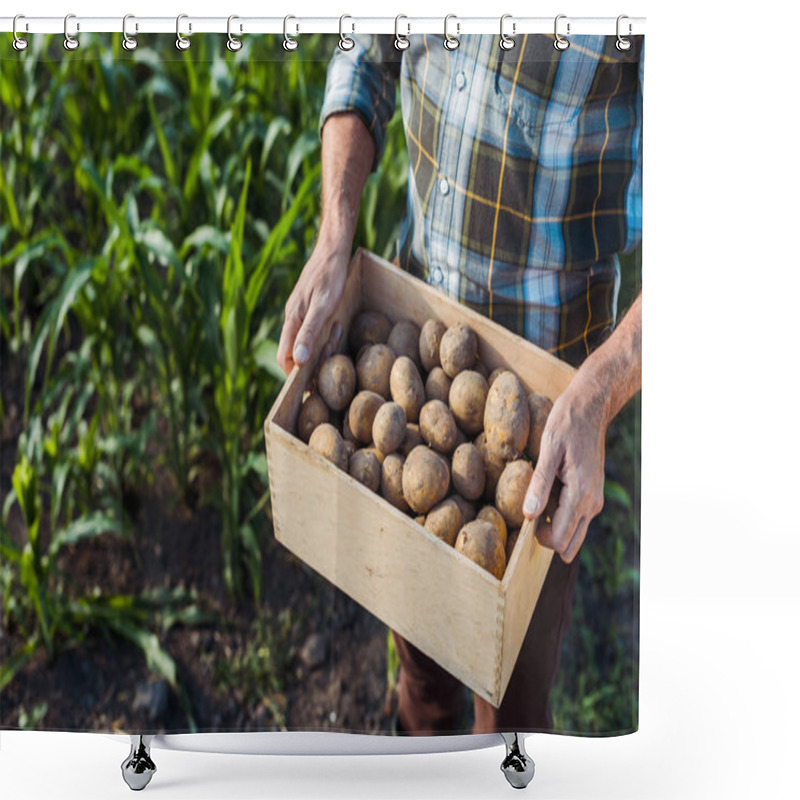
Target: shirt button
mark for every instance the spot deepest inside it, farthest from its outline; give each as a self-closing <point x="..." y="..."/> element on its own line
<point x="461" y="80"/>
<point x="437" y="276"/>
<point x="444" y="186"/>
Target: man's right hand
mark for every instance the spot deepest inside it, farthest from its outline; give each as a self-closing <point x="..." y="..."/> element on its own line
<point x="347" y="154"/>
<point x="310" y="305"/>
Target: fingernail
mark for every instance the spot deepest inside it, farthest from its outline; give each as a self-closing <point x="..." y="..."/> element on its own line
<point x="531" y="505"/>
<point x="300" y="354"/>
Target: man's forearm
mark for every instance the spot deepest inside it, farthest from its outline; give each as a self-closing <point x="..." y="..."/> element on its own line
<point x="347" y="154"/>
<point x="616" y="366"/>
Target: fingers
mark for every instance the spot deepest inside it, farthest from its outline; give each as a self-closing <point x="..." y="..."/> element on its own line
<point x="332" y="343"/>
<point x="542" y="481"/>
<point x="577" y="540"/>
<point x="290" y="328"/>
<point x="318" y="313"/>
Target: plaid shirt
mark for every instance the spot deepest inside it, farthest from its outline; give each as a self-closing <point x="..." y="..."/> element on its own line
<point x="525" y="174"/>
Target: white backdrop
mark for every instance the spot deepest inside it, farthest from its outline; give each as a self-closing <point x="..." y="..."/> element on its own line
<point x="720" y="605"/>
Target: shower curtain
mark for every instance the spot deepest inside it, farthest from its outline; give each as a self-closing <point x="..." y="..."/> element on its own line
<point x="168" y="226"/>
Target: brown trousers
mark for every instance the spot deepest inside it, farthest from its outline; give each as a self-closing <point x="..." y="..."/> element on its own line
<point x="432" y="701"/>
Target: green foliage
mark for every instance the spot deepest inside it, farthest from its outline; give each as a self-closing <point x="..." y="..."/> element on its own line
<point x="258" y="673"/>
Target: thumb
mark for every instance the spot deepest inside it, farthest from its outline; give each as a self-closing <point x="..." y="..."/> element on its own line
<point x="309" y="330"/>
<point x="541" y="483"/>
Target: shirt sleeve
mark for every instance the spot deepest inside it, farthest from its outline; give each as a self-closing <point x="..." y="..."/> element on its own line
<point x="364" y="80"/>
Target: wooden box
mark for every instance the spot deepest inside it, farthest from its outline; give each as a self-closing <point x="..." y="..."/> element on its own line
<point x="454" y="611"/>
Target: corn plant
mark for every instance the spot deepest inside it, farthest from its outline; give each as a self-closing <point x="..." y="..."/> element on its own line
<point x="59" y="616"/>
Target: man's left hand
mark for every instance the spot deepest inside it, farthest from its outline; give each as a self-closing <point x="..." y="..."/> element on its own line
<point x="572" y="450"/>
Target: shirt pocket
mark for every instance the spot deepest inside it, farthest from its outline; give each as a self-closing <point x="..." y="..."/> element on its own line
<point x="539" y="88"/>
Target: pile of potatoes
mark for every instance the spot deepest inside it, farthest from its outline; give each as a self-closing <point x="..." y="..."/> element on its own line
<point x="417" y="417"/>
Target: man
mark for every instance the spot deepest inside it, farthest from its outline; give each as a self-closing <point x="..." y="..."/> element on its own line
<point x="524" y="185"/>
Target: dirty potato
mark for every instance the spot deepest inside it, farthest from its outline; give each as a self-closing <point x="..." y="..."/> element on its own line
<point x="426" y="479"/>
<point x="507" y="417"/>
<point x="326" y="441"/>
<point x="437" y="426"/>
<point x="313" y="412"/>
<point x="405" y="387"/>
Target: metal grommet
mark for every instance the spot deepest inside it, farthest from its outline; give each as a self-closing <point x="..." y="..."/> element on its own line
<point x="233" y="44"/>
<point x="345" y="42"/>
<point x="450" y="42"/>
<point x="623" y="44"/>
<point x="506" y="42"/>
<point x="561" y="42"/>
<point x="182" y="43"/>
<point x="128" y="42"/>
<point x="18" y="44"/>
<point x="401" y="42"/>
<point x="288" y="42"/>
<point x="70" y="42"/>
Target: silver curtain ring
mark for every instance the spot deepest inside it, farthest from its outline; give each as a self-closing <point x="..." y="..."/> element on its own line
<point x="233" y="44"/>
<point x="70" y="42"/>
<point x="561" y="42"/>
<point x="18" y="44"/>
<point x="128" y="42"/>
<point x="623" y="44"/>
<point x="450" y="42"/>
<point x="345" y="42"/>
<point x="288" y="42"/>
<point x="182" y="43"/>
<point x="401" y="42"/>
<point x="507" y="42"/>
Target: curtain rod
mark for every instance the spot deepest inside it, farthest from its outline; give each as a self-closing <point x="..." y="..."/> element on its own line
<point x="630" y="26"/>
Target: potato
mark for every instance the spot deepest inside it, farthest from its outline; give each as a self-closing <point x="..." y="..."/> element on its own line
<point x="369" y="327"/>
<point x="404" y="340"/>
<point x="468" y="472"/>
<point x="458" y="349"/>
<point x="347" y="434"/>
<point x="481" y="369"/>
<point x="467" y="401"/>
<point x="491" y="514"/>
<point x="494" y="467"/>
<point x="426" y="479"/>
<point x="507" y="417"/>
<point x="405" y="387"/>
<point x="362" y="413"/>
<point x="437" y="426"/>
<point x="326" y="441"/>
<point x="412" y="438"/>
<point x="467" y="508"/>
<point x="392" y="480"/>
<point x="511" y="489"/>
<point x="461" y="438"/>
<point x="336" y="381"/>
<point x="480" y="542"/>
<point x="430" y="339"/>
<point x="420" y="520"/>
<point x="494" y="375"/>
<point x="374" y="368"/>
<point x="444" y="521"/>
<point x="364" y="467"/>
<point x="437" y="386"/>
<point x="389" y="427"/>
<point x="313" y="412"/>
<point x="350" y="447"/>
<point x="376" y="452"/>
<point x="540" y="407"/>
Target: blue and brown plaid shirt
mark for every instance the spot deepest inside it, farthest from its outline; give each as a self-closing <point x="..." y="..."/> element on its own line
<point x="525" y="172"/>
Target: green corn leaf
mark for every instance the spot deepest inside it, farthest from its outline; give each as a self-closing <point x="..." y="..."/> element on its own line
<point x="265" y="356"/>
<point x="83" y="528"/>
<point x="13" y="665"/>
<point x="617" y="493"/>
